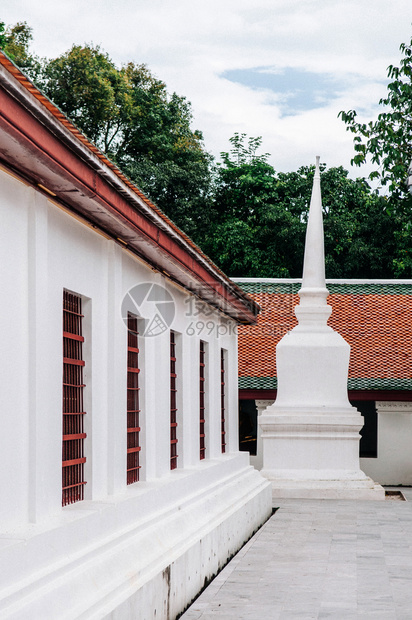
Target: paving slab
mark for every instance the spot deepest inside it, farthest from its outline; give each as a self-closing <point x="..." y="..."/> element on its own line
<point x="320" y="560"/>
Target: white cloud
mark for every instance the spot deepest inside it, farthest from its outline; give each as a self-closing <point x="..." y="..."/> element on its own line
<point x="190" y="43"/>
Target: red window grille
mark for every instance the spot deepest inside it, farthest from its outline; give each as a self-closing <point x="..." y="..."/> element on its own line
<point x="173" y="405"/>
<point x="202" y="399"/>
<point x="73" y="458"/>
<point x="222" y="400"/>
<point x="133" y="410"/>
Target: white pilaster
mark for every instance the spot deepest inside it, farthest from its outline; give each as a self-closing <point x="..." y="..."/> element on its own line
<point x="257" y="460"/>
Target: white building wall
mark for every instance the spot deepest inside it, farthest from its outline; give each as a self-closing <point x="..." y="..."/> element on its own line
<point x="393" y="465"/>
<point x="15" y="347"/>
<point x="90" y="557"/>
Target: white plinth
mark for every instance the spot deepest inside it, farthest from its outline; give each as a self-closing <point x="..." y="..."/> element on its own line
<point x="142" y="554"/>
<point x="310" y="435"/>
<point x="314" y="454"/>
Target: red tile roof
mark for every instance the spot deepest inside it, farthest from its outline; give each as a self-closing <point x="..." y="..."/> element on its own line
<point x="374" y="318"/>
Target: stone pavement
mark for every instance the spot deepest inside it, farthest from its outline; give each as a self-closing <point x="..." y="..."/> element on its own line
<point x="319" y="559"/>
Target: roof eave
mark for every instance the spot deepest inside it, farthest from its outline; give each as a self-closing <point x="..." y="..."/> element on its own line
<point x="83" y="180"/>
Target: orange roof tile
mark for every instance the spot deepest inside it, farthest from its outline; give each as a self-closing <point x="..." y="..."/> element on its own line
<point x="374" y="318"/>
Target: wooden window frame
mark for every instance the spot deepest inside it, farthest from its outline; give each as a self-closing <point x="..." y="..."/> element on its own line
<point x="73" y="436"/>
<point x="133" y="401"/>
<point x="222" y="400"/>
<point x="173" y="402"/>
<point x="202" y="397"/>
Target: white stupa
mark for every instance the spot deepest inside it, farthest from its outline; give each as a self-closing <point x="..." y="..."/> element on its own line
<point x="310" y="434"/>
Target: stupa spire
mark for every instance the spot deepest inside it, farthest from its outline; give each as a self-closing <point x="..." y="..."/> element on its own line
<point x="313" y="308"/>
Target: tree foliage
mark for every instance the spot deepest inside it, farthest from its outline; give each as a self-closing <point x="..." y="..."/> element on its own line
<point x="261" y="216"/>
<point x="129" y="114"/>
<point x="87" y="86"/>
<point x="253" y="234"/>
<point x="2" y="35"/>
<point x="387" y="141"/>
<point x="15" y="42"/>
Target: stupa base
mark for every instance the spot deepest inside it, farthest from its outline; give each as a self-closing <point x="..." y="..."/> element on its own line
<point x="323" y="485"/>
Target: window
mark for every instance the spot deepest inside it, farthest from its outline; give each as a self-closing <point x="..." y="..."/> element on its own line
<point x="368" y="445"/>
<point x="73" y="458"/>
<point x="173" y="406"/>
<point x="222" y="401"/>
<point x="248" y="426"/>
<point x="202" y="365"/>
<point x="133" y="411"/>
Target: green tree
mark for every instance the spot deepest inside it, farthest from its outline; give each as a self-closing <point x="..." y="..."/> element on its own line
<point x="95" y="95"/>
<point x="2" y="35"/>
<point x="253" y="233"/>
<point x="387" y="141"/>
<point x="15" y="42"/>
<point x="129" y="114"/>
<point x="360" y="231"/>
<point x="162" y="153"/>
<point x="260" y="220"/>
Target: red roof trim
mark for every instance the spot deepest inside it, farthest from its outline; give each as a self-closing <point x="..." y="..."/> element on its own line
<point x="58" y="165"/>
<point x="58" y="114"/>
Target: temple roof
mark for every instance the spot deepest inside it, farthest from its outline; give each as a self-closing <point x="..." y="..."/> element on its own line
<point x="45" y="150"/>
<point x="374" y="317"/>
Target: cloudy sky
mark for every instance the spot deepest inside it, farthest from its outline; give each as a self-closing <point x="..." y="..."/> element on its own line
<point x="280" y="69"/>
